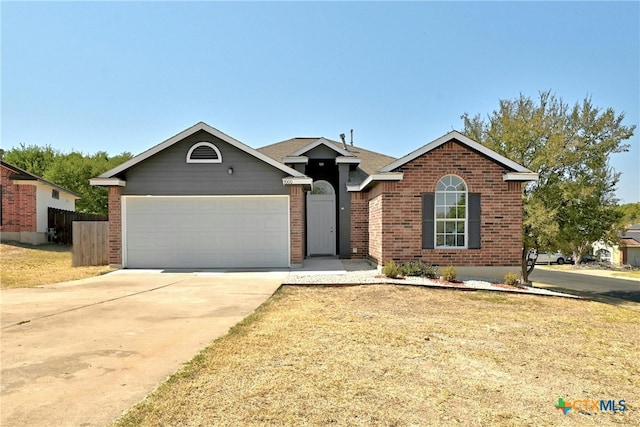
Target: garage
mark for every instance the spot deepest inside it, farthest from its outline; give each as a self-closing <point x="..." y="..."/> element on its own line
<point x="205" y="231"/>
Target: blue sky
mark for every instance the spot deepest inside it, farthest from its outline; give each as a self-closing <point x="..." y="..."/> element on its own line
<point x="124" y="76"/>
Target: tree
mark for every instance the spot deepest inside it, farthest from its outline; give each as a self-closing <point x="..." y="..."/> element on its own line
<point x="630" y="214"/>
<point x="31" y="158"/>
<point x="72" y="171"/>
<point x="573" y="203"/>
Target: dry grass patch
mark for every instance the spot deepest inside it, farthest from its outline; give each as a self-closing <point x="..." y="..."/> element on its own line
<point x="24" y="266"/>
<point x="393" y="355"/>
<point x="628" y="273"/>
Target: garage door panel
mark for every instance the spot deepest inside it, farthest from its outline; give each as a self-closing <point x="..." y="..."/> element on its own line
<point x="206" y="232"/>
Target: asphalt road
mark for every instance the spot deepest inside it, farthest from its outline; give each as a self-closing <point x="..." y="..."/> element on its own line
<point x="606" y="286"/>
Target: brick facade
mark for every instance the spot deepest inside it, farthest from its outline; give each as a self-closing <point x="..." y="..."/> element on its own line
<point x="115" y="226"/>
<point x="395" y="210"/>
<point x="297" y="223"/>
<point x="18" y="205"/>
<point x="380" y="237"/>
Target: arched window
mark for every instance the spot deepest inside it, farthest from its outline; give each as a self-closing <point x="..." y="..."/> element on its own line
<point x="451" y="213"/>
<point x="322" y="187"/>
<point x="204" y="152"/>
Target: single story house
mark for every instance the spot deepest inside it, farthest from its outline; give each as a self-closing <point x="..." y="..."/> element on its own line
<point x="26" y="199"/>
<point x="630" y="246"/>
<point x="627" y="252"/>
<point x="202" y="199"/>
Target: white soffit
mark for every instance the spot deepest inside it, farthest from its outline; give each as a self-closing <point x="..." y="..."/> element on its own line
<point x="520" y="176"/>
<point x="349" y="160"/>
<point x="297" y="181"/>
<point x="108" y="182"/>
<point x="296" y="159"/>
<point x="371" y="179"/>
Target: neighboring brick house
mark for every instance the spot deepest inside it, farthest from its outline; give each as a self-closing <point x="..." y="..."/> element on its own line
<point x="25" y="202"/>
<point x="202" y="199"/>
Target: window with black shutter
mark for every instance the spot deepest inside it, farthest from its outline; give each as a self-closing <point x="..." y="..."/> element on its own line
<point x="451" y="216"/>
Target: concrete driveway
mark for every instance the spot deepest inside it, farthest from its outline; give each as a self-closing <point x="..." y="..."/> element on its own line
<point x="80" y="353"/>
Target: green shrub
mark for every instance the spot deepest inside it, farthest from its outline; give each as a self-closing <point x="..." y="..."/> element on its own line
<point x="390" y="269"/>
<point x="511" y="279"/>
<point x="449" y="273"/>
<point x="418" y="268"/>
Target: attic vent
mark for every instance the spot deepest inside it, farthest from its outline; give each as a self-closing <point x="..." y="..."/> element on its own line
<point x="204" y="152"/>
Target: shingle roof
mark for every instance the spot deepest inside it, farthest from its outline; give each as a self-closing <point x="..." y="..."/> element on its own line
<point x="629" y="242"/>
<point x="370" y="161"/>
<point x="632" y="234"/>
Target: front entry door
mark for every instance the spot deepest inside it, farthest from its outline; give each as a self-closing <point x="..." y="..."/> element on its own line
<point x="321" y="224"/>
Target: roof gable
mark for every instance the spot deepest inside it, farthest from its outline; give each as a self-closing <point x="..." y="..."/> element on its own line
<point x="326" y="143"/>
<point x="23" y="175"/>
<point x="454" y="135"/>
<point x="201" y="126"/>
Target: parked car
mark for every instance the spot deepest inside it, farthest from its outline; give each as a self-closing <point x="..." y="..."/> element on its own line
<point x="588" y="258"/>
<point x="552" y="258"/>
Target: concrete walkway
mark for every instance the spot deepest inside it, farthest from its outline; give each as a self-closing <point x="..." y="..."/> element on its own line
<point x="321" y="266"/>
<point x="82" y="352"/>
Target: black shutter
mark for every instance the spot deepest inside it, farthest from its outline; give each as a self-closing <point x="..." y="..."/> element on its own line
<point x="474" y="221"/>
<point x="428" y="202"/>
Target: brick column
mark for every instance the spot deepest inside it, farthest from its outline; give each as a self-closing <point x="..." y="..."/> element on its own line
<point x="382" y="222"/>
<point x="296" y="224"/>
<point x="115" y="227"/>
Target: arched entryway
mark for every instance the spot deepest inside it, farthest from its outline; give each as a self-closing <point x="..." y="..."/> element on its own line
<point x="321" y="219"/>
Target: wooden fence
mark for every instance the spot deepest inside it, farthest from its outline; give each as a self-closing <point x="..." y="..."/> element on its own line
<point x="60" y="229"/>
<point x="90" y="243"/>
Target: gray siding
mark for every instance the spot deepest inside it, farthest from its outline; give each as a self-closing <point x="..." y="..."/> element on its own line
<point x="168" y="173"/>
<point x="321" y="152"/>
<point x="344" y="212"/>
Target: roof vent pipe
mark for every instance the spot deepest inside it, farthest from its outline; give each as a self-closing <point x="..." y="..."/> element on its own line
<point x="344" y="143"/>
<point x="352" y="137"/>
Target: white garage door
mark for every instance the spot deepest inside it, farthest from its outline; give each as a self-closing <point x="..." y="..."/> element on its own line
<point x="206" y="232"/>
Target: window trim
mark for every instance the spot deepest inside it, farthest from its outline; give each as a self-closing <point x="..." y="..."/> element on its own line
<point x="437" y="220"/>
<point x="204" y="144"/>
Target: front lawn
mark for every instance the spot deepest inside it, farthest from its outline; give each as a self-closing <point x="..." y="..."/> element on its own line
<point x="401" y="355"/>
<point x="26" y="266"/>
